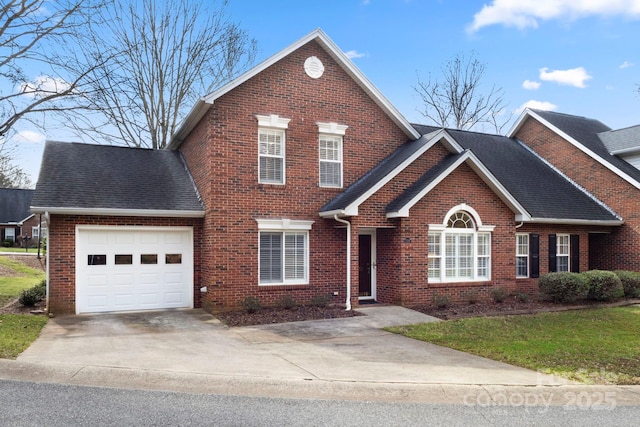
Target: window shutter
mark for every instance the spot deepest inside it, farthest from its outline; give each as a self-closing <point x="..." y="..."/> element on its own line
<point x="575" y="253"/>
<point x="552" y="253"/>
<point x="534" y="255"/>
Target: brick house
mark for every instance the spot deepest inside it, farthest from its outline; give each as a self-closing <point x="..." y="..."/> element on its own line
<point x="299" y="179"/>
<point x="17" y="223"/>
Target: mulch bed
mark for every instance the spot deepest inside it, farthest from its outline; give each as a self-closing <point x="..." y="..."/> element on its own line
<point x="282" y="315"/>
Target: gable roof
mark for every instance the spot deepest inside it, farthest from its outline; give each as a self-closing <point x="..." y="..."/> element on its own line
<point x="545" y="193"/>
<point x="14" y="205"/>
<point x="347" y="202"/>
<point x="203" y="104"/>
<point x="106" y="180"/>
<point x="414" y="193"/>
<point x="529" y="186"/>
<point x="584" y="134"/>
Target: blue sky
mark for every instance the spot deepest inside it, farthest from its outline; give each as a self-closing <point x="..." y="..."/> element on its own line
<point x="571" y="56"/>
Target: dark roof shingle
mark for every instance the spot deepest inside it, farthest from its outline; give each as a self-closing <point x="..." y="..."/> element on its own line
<point x="89" y="176"/>
<point x="14" y="204"/>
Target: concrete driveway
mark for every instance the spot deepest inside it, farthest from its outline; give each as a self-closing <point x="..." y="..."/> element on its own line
<point x="194" y="342"/>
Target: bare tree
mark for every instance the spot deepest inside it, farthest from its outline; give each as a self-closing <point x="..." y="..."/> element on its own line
<point x="34" y="35"/>
<point x="11" y="176"/>
<point x="458" y="102"/>
<point x="157" y="59"/>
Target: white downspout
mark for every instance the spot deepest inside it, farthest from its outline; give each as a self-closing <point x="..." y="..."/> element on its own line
<point x="348" y="224"/>
<point x="46" y="220"/>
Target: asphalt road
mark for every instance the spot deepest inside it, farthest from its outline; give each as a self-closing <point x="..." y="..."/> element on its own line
<point x="52" y="405"/>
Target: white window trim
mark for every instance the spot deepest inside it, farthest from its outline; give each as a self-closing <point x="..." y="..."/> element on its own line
<point x="563" y="255"/>
<point x="443" y="231"/>
<point x="285" y="226"/>
<point x="273" y="122"/>
<point x="339" y="161"/>
<point x="335" y="130"/>
<point x="12" y="231"/>
<point x="519" y="255"/>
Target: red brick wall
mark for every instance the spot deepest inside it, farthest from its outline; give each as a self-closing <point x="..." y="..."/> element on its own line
<point x="227" y="143"/>
<point x="619" y="249"/>
<point x="62" y="250"/>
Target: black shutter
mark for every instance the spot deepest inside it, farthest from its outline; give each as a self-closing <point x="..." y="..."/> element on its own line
<point x="575" y="253"/>
<point x="534" y="255"/>
<point x="552" y="253"/>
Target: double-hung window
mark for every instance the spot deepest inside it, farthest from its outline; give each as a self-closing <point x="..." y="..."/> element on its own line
<point x="330" y="154"/>
<point x="271" y="149"/>
<point x="522" y="255"/>
<point x="459" y="249"/>
<point x="283" y="252"/>
<point x="562" y="252"/>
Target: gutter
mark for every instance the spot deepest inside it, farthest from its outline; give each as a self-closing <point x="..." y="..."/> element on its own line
<point x="348" y="224"/>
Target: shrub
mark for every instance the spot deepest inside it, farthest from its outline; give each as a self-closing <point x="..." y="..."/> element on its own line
<point x="564" y="287"/>
<point x="320" y="300"/>
<point x="286" y="302"/>
<point x="441" y="301"/>
<point x="7" y="243"/>
<point x="472" y="296"/>
<point x="630" y="283"/>
<point x="523" y="297"/>
<point x="29" y="297"/>
<point x="499" y="294"/>
<point x="251" y="304"/>
<point x="603" y="285"/>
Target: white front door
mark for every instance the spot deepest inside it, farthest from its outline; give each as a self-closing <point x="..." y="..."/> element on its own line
<point x="133" y="268"/>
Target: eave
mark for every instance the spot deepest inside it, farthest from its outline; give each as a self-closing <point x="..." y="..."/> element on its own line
<point x="118" y="212"/>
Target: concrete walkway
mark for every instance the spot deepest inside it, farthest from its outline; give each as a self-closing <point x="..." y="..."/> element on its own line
<point x="190" y="350"/>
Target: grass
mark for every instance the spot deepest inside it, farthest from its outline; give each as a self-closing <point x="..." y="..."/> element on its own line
<point x="598" y="346"/>
<point x="17" y="332"/>
<point x="21" y="250"/>
<point x="10" y="287"/>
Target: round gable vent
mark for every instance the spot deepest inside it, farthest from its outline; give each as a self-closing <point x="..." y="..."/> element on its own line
<point x="313" y="67"/>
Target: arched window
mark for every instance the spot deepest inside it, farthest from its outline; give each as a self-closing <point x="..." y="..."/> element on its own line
<point x="460" y="248"/>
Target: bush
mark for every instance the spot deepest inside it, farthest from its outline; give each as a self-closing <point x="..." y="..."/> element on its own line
<point x="630" y="283"/>
<point x="603" y="285"/>
<point x="320" y="300"/>
<point x="30" y="297"/>
<point x="563" y="287"/>
<point x="499" y="294"/>
<point x="523" y="297"/>
<point x="441" y="301"/>
<point x="251" y="304"/>
<point x="7" y="243"/>
<point x="471" y="296"/>
<point x="286" y="302"/>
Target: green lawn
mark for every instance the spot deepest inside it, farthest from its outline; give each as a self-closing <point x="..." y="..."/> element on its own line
<point x="592" y="346"/>
<point x="21" y="250"/>
<point x="17" y="332"/>
<point x="10" y="287"/>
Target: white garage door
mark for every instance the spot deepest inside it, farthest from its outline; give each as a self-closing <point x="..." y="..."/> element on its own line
<point x="133" y="268"/>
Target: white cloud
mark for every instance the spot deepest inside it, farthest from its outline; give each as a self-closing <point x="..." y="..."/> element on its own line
<point x="537" y="105"/>
<point x="43" y="85"/>
<point x="572" y="77"/>
<point x="529" y="85"/>
<point x="29" y="136"/>
<point x="351" y="54"/>
<point x="626" y="64"/>
<point x="527" y="13"/>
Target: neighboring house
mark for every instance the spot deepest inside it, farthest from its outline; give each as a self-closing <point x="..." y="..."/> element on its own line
<point x="16" y="220"/>
<point x="299" y="179"/>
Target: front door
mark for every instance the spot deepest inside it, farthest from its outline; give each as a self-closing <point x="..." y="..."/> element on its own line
<point x="366" y="266"/>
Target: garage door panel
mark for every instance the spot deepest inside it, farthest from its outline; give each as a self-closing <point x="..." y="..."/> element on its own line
<point x="125" y="282"/>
